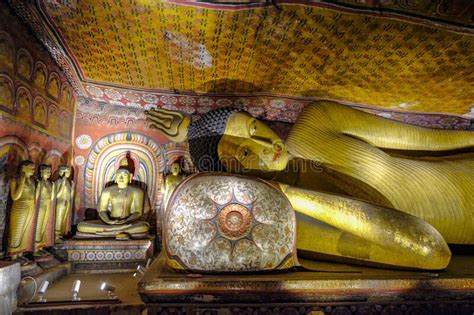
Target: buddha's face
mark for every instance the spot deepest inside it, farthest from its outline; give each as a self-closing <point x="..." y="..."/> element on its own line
<point x="122" y="178"/>
<point x="175" y="169"/>
<point x="65" y="172"/>
<point x="28" y="170"/>
<point x="45" y="173"/>
<point x="249" y="144"/>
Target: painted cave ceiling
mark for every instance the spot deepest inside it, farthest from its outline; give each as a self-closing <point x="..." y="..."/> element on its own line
<point x="391" y="54"/>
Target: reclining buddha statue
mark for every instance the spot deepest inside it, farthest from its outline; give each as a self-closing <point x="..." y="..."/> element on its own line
<point x="364" y="188"/>
<point x="120" y="209"/>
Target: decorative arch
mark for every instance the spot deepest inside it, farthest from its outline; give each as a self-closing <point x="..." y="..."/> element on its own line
<point x="40" y="111"/>
<point x="64" y="124"/>
<point x="24" y="64"/>
<point x="54" y="158"/>
<point x="6" y="92"/>
<point x="53" y="86"/>
<point x="7" y="50"/>
<point x="66" y="96"/>
<point x="104" y="158"/>
<point x="175" y="151"/>
<point x="15" y="150"/>
<point x="53" y="118"/>
<point x="23" y="103"/>
<point x="35" y="152"/>
<point x="40" y="75"/>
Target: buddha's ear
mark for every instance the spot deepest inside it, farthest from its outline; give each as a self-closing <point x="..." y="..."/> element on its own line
<point x="131" y="179"/>
<point x="173" y="124"/>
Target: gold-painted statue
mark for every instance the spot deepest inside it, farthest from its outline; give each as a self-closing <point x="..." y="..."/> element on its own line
<point x="364" y="187"/>
<point x="44" y="203"/>
<point x="22" y="213"/>
<point x="169" y="184"/>
<point x="120" y="208"/>
<point x="64" y="203"/>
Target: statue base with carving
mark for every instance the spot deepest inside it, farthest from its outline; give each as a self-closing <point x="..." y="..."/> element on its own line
<point x="332" y="288"/>
<point x="119" y="241"/>
<point x="108" y="254"/>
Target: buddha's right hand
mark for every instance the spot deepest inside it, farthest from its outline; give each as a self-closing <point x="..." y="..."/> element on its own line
<point x="172" y="123"/>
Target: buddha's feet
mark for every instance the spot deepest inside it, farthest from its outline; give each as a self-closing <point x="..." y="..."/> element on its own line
<point x="122" y="236"/>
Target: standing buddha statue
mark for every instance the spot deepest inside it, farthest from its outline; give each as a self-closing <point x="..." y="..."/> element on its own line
<point x="22" y="213"/>
<point x="169" y="184"/>
<point x="64" y="201"/>
<point x="44" y="203"/>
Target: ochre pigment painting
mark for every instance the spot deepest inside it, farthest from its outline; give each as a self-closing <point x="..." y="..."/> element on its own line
<point x="309" y="51"/>
<point x="36" y="106"/>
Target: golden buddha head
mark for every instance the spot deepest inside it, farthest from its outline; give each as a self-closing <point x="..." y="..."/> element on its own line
<point x="27" y="168"/>
<point x="123" y="177"/>
<point x="64" y="171"/>
<point x="175" y="169"/>
<point x="45" y="171"/>
<point x="232" y="140"/>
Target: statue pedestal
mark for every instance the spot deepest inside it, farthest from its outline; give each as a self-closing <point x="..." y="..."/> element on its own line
<point x="108" y="254"/>
<point x="330" y="289"/>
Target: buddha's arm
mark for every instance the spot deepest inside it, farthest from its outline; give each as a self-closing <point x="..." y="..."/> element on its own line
<point x="386" y="133"/>
<point x="136" y="208"/>
<point x="16" y="189"/>
<point x="103" y="208"/>
<point x="413" y="242"/>
<point x="60" y="187"/>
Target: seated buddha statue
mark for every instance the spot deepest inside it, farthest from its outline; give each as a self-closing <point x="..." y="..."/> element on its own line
<point x="365" y="188"/>
<point x="120" y="209"/>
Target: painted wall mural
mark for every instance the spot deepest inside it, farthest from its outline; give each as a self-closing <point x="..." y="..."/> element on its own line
<point x="107" y="135"/>
<point x="395" y="54"/>
<point x="34" y="124"/>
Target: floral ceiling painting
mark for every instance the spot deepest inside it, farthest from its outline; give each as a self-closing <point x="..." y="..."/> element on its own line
<point x="393" y="55"/>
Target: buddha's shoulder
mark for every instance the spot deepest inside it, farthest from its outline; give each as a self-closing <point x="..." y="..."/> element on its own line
<point x="135" y="189"/>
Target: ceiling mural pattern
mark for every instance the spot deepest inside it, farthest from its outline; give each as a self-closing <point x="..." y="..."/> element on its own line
<point x="133" y="52"/>
<point x="454" y="12"/>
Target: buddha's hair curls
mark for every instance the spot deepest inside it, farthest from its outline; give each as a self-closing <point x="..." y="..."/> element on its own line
<point x="204" y="136"/>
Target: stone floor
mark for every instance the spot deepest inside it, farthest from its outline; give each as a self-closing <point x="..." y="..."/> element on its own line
<point x="331" y="289"/>
<point x="126" y="291"/>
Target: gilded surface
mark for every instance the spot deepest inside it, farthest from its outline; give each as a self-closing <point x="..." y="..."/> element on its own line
<point x="228" y="224"/>
<point x="45" y="194"/>
<point x="438" y="190"/>
<point x="120" y="207"/>
<point x="22" y="213"/>
<point x="340" y="156"/>
<point x="64" y="203"/>
<point x="301" y="50"/>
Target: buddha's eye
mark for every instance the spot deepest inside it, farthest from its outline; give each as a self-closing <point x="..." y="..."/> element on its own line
<point x="253" y="127"/>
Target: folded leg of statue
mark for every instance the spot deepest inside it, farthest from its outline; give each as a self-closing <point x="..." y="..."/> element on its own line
<point x="99" y="228"/>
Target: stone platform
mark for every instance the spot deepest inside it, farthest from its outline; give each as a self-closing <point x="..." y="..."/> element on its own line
<point x="330" y="289"/>
<point x="108" y="254"/>
<point x="9" y="282"/>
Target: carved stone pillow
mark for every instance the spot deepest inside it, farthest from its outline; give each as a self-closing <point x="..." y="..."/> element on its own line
<point x="218" y="222"/>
